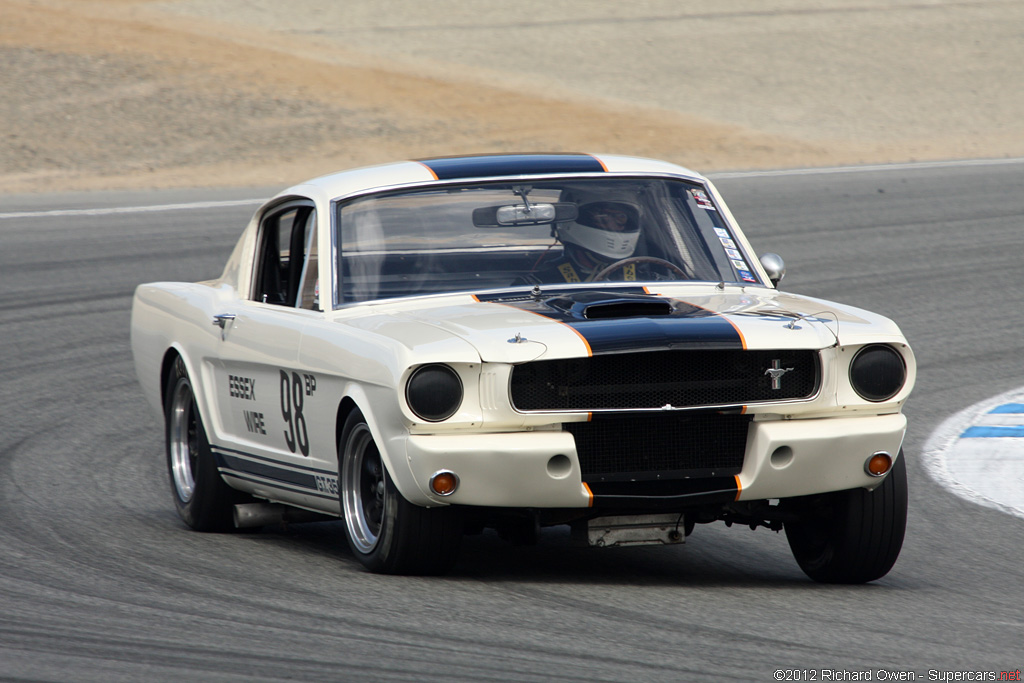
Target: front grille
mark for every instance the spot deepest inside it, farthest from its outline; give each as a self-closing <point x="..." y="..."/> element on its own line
<point x="653" y="379"/>
<point x="665" y="446"/>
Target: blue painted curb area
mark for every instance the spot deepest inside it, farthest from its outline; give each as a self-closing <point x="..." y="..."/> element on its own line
<point x="997" y="431"/>
<point x="993" y="432"/>
<point x="978" y="453"/>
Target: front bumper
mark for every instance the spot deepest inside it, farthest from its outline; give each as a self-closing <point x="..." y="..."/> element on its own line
<point x="540" y="469"/>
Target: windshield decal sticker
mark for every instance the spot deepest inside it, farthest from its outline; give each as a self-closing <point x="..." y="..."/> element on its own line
<point x="702" y="199"/>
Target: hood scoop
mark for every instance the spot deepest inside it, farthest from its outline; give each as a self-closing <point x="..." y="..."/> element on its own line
<point x="627" y="309"/>
<point x="602" y="306"/>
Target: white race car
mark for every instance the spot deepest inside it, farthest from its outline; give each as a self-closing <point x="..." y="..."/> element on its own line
<point x="430" y="348"/>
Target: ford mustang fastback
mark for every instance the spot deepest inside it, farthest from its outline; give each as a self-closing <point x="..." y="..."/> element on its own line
<point x="429" y="349"/>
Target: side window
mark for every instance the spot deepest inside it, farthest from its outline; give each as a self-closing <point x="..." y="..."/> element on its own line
<point x="309" y="288"/>
<point x="287" y="264"/>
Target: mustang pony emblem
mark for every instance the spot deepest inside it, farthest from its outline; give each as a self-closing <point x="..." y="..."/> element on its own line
<point x="776" y="371"/>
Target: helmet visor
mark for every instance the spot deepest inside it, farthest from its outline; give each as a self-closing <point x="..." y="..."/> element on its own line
<point x="609" y="216"/>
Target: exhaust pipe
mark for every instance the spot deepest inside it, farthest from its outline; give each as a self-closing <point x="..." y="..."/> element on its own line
<point x="249" y="515"/>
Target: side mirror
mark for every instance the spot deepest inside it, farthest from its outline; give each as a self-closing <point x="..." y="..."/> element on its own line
<point x="774" y="266"/>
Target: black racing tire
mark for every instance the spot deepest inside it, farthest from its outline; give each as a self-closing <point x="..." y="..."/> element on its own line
<point x="387" y="533"/>
<point x="204" y="502"/>
<point x="851" y="536"/>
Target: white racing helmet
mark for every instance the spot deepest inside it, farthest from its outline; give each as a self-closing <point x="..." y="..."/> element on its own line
<point x="607" y="225"/>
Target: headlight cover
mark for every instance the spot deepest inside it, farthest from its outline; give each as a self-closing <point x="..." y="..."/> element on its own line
<point x="434" y="392"/>
<point x="878" y="372"/>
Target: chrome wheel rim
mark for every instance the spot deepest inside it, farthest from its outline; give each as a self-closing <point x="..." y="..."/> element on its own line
<point x="363" y="485"/>
<point x="183" y="441"/>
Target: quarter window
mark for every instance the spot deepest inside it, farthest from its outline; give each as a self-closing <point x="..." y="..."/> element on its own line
<point x="287" y="261"/>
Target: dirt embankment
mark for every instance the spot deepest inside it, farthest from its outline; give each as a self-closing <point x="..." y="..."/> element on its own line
<point x="118" y="94"/>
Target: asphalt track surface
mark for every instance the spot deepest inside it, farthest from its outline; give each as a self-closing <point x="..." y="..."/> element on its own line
<point x="100" y="581"/>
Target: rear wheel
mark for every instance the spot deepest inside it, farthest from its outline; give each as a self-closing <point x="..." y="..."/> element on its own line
<point x="851" y="536"/>
<point x="387" y="533"/>
<point x="201" y="497"/>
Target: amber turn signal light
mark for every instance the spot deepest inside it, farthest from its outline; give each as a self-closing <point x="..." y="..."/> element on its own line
<point x="444" y="483"/>
<point x="878" y="464"/>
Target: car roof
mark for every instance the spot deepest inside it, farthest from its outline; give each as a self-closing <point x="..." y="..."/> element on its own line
<point x="359" y="180"/>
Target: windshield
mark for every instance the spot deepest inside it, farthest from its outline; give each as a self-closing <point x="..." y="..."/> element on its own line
<point x="508" y="234"/>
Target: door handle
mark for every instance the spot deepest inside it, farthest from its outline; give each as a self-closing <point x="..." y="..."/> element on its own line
<point x="222" y="319"/>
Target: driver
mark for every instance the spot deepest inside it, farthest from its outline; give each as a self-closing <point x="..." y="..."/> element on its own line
<point x="604" y="232"/>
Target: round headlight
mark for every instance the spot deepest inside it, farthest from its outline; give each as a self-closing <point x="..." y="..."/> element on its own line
<point x="434" y="392"/>
<point x="877" y="372"/>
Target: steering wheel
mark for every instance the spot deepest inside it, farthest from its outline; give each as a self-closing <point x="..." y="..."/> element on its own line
<point x="609" y="269"/>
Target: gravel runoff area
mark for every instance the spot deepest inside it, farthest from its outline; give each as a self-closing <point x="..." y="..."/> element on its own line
<point x="102" y="94"/>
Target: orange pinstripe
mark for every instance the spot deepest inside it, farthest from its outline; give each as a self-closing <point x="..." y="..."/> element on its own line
<point x="430" y="170"/>
<point x="603" y="167"/>
<point x="590" y="352"/>
<point x="590" y="494"/>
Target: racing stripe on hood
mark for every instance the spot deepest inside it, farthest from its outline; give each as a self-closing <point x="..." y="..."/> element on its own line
<point x="626" y="320"/>
<point x="453" y="168"/>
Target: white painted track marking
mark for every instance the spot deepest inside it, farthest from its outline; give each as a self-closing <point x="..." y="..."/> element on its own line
<point x="131" y="209"/>
<point x="913" y="166"/>
<point x="978" y="453"/>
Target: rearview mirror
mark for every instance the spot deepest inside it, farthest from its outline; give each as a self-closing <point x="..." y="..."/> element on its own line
<point x="523" y="214"/>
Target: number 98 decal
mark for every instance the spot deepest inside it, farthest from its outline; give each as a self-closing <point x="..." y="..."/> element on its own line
<point x="294" y="389"/>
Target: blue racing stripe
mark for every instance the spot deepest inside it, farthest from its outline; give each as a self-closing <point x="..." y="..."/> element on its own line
<point x="304" y="468"/>
<point x="701" y="331"/>
<point x="264" y="468"/>
<point x="511" y="165"/>
<point x="681" y="326"/>
<point x="982" y="431"/>
<point x="280" y="486"/>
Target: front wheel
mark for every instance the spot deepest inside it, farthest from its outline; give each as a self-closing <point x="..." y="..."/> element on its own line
<point x="387" y="533"/>
<point x="851" y="536"/>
